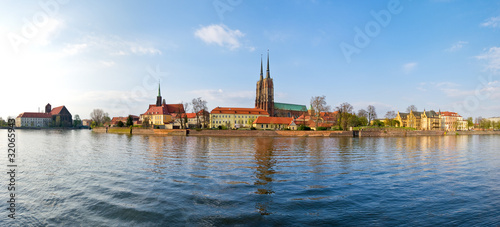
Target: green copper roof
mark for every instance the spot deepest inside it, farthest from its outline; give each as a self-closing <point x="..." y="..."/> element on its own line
<point x="286" y="106"/>
<point x="159" y="89"/>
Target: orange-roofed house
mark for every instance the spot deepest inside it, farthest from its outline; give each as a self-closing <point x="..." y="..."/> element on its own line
<point x="160" y="114"/>
<point x="274" y="123"/>
<point x="235" y="117"/>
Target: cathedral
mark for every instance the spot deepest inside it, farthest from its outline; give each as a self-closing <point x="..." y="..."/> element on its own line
<point x="264" y="98"/>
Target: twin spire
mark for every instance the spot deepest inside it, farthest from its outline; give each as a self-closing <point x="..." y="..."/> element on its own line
<point x="268" y="73"/>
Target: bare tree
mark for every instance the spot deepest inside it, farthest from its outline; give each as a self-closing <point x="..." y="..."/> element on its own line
<point x="372" y="114"/>
<point x="199" y="105"/>
<point x="318" y="105"/>
<point x="390" y="114"/>
<point x="411" y="108"/>
<point x="344" y="112"/>
<point x="98" y="116"/>
<point x="363" y="113"/>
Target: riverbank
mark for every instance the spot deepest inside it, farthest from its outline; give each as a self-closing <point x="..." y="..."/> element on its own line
<point x="284" y="133"/>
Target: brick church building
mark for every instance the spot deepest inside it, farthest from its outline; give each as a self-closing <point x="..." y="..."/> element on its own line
<point x="264" y="98"/>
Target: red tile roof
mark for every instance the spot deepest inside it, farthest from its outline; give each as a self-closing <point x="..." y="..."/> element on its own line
<point x="35" y="115"/>
<point x="449" y="114"/>
<point x="165" y="109"/>
<point x="56" y="110"/>
<point x="237" y="110"/>
<point x="191" y="115"/>
<point x="273" y="120"/>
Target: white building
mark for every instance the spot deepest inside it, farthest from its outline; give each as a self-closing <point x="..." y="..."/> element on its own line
<point x="27" y="119"/>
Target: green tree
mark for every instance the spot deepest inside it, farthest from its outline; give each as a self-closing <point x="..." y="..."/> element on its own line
<point x="119" y="124"/>
<point x="77" y="122"/>
<point x="130" y="121"/>
<point x="3" y="123"/>
<point x="145" y="122"/>
<point x="470" y="123"/>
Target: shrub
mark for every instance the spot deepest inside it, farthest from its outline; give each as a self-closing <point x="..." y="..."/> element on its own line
<point x="253" y="128"/>
<point x="303" y="128"/>
<point x="119" y="124"/>
<point x="321" y="128"/>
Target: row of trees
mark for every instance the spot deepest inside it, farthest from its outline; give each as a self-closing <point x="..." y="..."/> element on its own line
<point x="346" y="117"/>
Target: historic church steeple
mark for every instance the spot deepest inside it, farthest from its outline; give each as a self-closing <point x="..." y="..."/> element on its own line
<point x="158" y="98"/>
<point x="268" y="74"/>
<point x="264" y="95"/>
<point x="261" y="70"/>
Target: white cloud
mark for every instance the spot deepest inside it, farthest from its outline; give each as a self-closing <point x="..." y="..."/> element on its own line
<point x="108" y="63"/>
<point x="493" y="22"/>
<point x="73" y="49"/>
<point x="111" y="45"/>
<point x="409" y="67"/>
<point x="492" y="57"/>
<point x="221" y="35"/>
<point x="457" y="46"/>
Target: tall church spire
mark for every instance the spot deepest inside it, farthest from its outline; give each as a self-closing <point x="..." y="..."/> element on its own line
<point x="268" y="74"/>
<point x="159" y="94"/>
<point x="261" y="70"/>
<point x="158" y="98"/>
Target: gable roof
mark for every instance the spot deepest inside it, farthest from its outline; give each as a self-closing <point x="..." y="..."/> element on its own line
<point x="238" y="110"/>
<point x="164" y="109"/>
<point x="288" y="106"/>
<point x="56" y="110"/>
<point x="273" y="120"/>
<point x="35" y="115"/>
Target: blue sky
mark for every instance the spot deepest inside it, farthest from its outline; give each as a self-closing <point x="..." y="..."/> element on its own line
<point x="434" y="54"/>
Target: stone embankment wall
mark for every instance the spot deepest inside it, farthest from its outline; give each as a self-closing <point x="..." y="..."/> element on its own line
<point x="397" y="133"/>
<point x="266" y="133"/>
<point x="142" y="131"/>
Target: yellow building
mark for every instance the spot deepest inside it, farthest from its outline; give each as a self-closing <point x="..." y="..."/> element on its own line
<point x="426" y="120"/>
<point x="235" y="117"/>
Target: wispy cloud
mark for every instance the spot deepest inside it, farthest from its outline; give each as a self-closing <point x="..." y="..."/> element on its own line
<point x="493" y="22"/>
<point x="492" y="58"/>
<point x="110" y="45"/>
<point x="409" y="67"/>
<point x="221" y="35"/>
<point x="457" y="46"/>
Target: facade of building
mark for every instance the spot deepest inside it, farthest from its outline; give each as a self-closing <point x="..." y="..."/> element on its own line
<point x="453" y="121"/>
<point x="232" y="117"/>
<point x="431" y="120"/>
<point x="57" y="117"/>
<point x="160" y="113"/>
<point x="28" y="119"/>
<point x="274" y="123"/>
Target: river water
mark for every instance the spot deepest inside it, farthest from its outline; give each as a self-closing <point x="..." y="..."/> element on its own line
<point x="83" y="178"/>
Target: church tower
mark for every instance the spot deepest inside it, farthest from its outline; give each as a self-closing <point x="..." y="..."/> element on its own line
<point x="264" y="98"/>
<point x="158" y="98"/>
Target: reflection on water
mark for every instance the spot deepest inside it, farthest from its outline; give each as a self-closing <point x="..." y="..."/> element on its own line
<point x="85" y="178"/>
